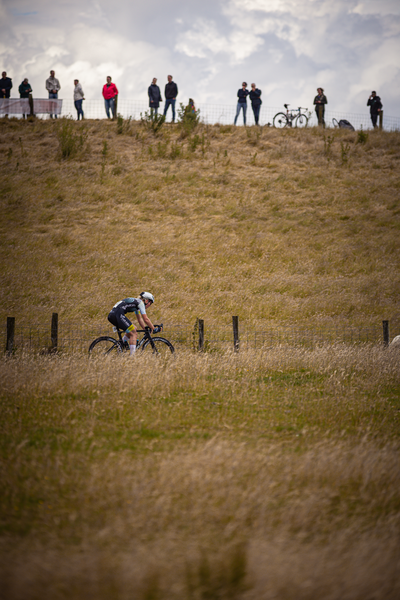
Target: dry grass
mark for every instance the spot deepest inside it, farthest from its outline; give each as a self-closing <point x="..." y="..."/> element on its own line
<point x="210" y="476"/>
<point x="291" y="235"/>
<point x="268" y="474"/>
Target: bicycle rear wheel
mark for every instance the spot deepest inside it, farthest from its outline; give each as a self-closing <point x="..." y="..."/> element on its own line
<point x="280" y="121"/>
<point x="160" y="347"/>
<point x="301" y="121"/>
<point x="105" y="346"/>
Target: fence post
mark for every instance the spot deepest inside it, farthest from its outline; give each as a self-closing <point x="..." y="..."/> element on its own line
<point x="385" y="332"/>
<point x="31" y="105"/>
<point x="54" y="332"/>
<point x="10" y="334"/>
<point x="380" y="119"/>
<point x="201" y="335"/>
<point x="235" y="323"/>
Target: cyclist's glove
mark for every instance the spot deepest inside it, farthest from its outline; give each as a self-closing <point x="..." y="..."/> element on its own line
<point x="157" y="329"/>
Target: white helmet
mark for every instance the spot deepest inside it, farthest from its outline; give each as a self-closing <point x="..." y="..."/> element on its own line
<point x="148" y="296"/>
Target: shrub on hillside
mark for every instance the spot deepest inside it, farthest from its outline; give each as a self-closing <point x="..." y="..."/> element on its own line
<point x="71" y="141"/>
<point x="188" y="119"/>
<point x="152" y="122"/>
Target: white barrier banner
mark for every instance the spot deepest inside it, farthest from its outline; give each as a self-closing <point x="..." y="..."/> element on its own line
<point x="11" y="106"/>
<point x="43" y="106"/>
<point x="20" y="106"/>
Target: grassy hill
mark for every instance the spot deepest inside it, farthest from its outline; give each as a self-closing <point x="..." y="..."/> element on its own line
<point x="258" y="475"/>
<point x="275" y="226"/>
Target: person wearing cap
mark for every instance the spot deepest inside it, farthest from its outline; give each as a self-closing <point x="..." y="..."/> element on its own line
<point x="375" y="104"/>
<point x="255" y="97"/>
<point x="24" y="90"/>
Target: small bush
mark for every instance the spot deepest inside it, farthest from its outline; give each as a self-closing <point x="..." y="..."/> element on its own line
<point x="123" y="125"/>
<point x="71" y="142"/>
<point x="345" y="149"/>
<point x="362" y="137"/>
<point x="188" y="119"/>
<point x="152" y="122"/>
<point x="328" y="141"/>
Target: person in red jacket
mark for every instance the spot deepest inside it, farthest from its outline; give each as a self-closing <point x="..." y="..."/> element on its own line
<point x="110" y="94"/>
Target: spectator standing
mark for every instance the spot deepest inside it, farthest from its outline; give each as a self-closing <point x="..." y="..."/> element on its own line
<point x="375" y="107"/>
<point x="110" y="94"/>
<point x="53" y="87"/>
<point x="79" y="97"/>
<point x="5" y="85"/>
<point x="171" y="92"/>
<point x="320" y="100"/>
<point x="242" y="102"/>
<point x="154" y="96"/>
<point x="255" y="97"/>
<point x="24" y="90"/>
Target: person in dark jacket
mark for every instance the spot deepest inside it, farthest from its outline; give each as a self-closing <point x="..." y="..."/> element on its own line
<point x="376" y="106"/>
<point x="320" y="100"/>
<point x="154" y="96"/>
<point x="256" y="101"/>
<point x="242" y="104"/>
<point x="24" y="90"/>
<point x="5" y="85"/>
<point x="171" y="92"/>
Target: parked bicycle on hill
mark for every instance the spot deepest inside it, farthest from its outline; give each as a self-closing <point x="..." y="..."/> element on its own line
<point x="282" y="119"/>
<point x="107" y="345"/>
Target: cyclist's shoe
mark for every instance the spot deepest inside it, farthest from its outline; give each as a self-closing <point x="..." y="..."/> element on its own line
<point x="125" y="345"/>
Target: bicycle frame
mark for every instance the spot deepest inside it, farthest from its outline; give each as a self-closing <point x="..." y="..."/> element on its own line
<point x="139" y="343"/>
<point x="293" y="113"/>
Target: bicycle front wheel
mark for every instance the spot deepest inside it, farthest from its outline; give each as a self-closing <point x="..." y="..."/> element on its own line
<point x="301" y="121"/>
<point x="105" y="346"/>
<point x="159" y="346"/>
<point x="280" y="121"/>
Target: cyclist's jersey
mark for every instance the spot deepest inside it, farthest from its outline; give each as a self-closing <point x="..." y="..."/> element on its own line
<point x="135" y="305"/>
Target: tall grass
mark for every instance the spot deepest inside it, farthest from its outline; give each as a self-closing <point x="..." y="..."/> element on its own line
<point x="205" y="476"/>
<point x="262" y="474"/>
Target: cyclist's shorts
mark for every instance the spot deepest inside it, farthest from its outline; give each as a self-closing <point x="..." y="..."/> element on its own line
<point x="118" y="319"/>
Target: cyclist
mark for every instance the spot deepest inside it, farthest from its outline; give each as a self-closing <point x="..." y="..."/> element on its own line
<point x="118" y="318"/>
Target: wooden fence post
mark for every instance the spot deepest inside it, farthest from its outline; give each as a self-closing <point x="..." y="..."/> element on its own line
<point x="380" y="119"/>
<point x="385" y="332"/>
<point x="31" y="105"/>
<point x="235" y="323"/>
<point x="10" y="334"/>
<point x="201" y="335"/>
<point x="54" y="332"/>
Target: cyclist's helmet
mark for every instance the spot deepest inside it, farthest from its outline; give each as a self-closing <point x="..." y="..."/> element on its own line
<point x="148" y="296"/>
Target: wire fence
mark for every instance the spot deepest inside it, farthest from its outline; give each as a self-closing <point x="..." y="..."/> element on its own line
<point x="224" y="114"/>
<point x="75" y="339"/>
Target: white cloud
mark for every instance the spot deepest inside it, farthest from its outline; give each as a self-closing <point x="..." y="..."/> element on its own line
<point x="287" y="46"/>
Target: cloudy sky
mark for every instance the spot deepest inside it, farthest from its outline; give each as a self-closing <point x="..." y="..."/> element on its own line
<point x="287" y="47"/>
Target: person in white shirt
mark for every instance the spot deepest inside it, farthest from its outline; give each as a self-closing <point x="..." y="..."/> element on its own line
<point x="79" y="96"/>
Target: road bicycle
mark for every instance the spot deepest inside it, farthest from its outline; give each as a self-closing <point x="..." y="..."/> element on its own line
<point x="286" y="119"/>
<point x="109" y="346"/>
